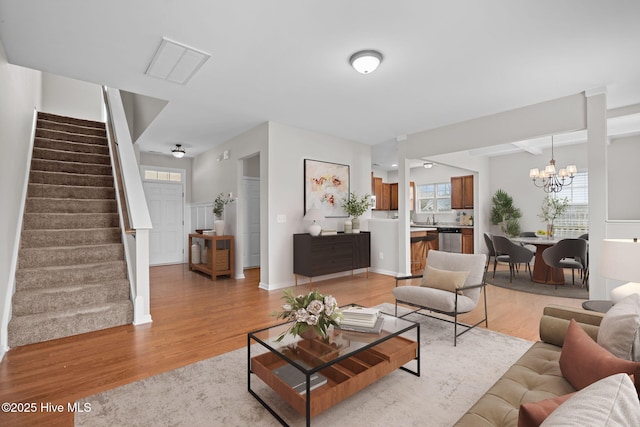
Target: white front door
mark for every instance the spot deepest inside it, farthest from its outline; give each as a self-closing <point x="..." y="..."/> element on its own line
<point x="252" y="222"/>
<point x="166" y="239"/>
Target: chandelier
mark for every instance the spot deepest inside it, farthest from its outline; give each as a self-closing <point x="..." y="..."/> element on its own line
<point x="548" y="179"/>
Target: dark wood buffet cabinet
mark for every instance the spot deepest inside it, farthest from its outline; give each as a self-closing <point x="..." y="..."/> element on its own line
<point x="319" y="255"/>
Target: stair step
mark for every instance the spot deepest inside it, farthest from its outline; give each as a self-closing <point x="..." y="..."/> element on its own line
<point x="70" y="191"/>
<point x="72" y="120"/>
<point x="40" y="327"/>
<point x="71" y="128"/>
<point x="64" y="178"/>
<point x="77" y="147"/>
<point x="49" y="205"/>
<point x="65" y="297"/>
<point x="48" y="277"/>
<point x="69" y="255"/>
<point x="70" y="156"/>
<point x="69" y="167"/>
<point x="56" y="221"/>
<point x="76" y="237"/>
<point x="74" y="137"/>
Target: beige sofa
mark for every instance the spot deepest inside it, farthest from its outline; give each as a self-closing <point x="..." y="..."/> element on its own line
<point x="536" y="375"/>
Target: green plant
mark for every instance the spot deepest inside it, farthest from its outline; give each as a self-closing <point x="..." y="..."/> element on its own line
<point x="505" y="214"/>
<point x="355" y="206"/>
<point x="311" y="311"/>
<point x="552" y="208"/>
<point x="219" y="204"/>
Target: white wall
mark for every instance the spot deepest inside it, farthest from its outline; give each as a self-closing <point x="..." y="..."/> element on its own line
<point x="71" y="98"/>
<point x="21" y="95"/>
<point x="623" y="178"/>
<point x="288" y="147"/>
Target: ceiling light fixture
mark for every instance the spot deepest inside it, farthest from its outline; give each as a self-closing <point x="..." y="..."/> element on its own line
<point x="178" y="152"/>
<point x="365" y="61"/>
<point x="548" y="179"/>
<point x="427" y="165"/>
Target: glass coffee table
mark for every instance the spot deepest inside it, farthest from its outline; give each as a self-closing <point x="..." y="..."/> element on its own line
<point x="312" y="375"/>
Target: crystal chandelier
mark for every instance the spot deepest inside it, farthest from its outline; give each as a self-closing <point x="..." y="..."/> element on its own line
<point x="548" y="179"/>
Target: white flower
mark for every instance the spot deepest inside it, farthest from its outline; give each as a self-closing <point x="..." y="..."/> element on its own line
<point x="315" y="307"/>
<point x="329" y="305"/>
<point x="287" y="307"/>
<point x="312" y="320"/>
<point x="302" y="315"/>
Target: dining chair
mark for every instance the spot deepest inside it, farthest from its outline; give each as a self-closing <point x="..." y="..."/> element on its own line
<point x="512" y="253"/>
<point x="567" y="253"/>
<point x="488" y="240"/>
<point x="528" y="234"/>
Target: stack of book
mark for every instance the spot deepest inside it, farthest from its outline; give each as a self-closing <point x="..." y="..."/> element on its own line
<point x="328" y="232"/>
<point x="361" y="319"/>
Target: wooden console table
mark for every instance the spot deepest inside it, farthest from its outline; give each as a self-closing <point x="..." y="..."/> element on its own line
<point x="220" y="255"/>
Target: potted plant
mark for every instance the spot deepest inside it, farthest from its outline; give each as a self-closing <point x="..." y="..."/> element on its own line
<point x="552" y="207"/>
<point x="313" y="314"/>
<point x="355" y="207"/>
<point x="505" y="214"/>
<point x="218" y="210"/>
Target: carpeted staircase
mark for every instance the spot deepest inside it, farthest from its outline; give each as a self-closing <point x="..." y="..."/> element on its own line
<point x="71" y="276"/>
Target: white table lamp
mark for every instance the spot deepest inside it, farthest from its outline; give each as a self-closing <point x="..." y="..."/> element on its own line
<point x="621" y="261"/>
<point x="314" y="214"/>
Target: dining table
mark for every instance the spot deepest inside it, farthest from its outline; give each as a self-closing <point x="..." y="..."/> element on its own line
<point x="542" y="273"/>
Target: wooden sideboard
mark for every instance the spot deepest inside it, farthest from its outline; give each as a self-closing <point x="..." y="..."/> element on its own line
<point x="319" y="255"/>
<point x="220" y="255"/>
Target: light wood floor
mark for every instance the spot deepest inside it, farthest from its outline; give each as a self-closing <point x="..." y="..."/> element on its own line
<point x="195" y="319"/>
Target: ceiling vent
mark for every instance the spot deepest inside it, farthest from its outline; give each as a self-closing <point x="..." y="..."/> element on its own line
<point x="176" y="62"/>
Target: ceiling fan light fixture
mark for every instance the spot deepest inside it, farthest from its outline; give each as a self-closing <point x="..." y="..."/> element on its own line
<point x="365" y="61"/>
<point x="178" y="152"/>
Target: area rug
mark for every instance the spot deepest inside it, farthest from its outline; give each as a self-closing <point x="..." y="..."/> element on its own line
<point x="214" y="392"/>
<point x="523" y="283"/>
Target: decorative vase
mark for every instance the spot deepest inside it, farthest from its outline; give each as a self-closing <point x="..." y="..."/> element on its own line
<point x="549" y="231"/>
<point x="348" y="227"/>
<point x="310" y="334"/>
<point x="195" y="253"/>
<point x="355" y="224"/>
<point x="219" y="227"/>
<point x="203" y="255"/>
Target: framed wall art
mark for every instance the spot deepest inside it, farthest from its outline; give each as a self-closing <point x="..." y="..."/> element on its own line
<point x="326" y="185"/>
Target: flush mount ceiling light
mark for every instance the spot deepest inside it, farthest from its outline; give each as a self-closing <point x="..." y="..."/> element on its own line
<point x="365" y="61"/>
<point x="178" y="152"/>
<point x="427" y="165"/>
<point x="176" y="62"/>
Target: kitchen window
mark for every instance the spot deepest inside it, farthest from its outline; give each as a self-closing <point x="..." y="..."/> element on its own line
<point x="575" y="220"/>
<point x="434" y="197"/>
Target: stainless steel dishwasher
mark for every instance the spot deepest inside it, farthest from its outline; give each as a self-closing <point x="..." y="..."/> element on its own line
<point x="450" y="239"/>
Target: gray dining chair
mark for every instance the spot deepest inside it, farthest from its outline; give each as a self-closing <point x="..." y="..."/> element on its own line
<point x="513" y="254"/>
<point x="488" y="240"/>
<point x="567" y="253"/>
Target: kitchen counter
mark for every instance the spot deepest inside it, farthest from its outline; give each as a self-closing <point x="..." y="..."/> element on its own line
<point x="435" y="227"/>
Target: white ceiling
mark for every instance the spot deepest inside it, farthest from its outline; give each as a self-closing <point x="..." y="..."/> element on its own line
<point x="444" y="61"/>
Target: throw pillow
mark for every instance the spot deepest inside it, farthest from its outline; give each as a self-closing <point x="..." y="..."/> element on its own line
<point x="620" y="329"/>
<point x="443" y="279"/>
<point x="609" y="402"/>
<point x="532" y="414"/>
<point x="583" y="361"/>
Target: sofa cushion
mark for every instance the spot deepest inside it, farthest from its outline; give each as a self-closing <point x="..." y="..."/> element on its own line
<point x="620" y="329"/>
<point x="611" y="401"/>
<point x="443" y="279"/>
<point x="583" y="361"/>
<point x="532" y="414"/>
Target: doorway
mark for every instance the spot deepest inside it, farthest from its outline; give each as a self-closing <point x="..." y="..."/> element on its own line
<point x="164" y="192"/>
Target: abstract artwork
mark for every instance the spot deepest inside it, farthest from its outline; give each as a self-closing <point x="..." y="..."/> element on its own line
<point x="326" y="186"/>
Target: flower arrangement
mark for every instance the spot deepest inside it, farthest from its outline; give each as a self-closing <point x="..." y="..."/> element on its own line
<point x="219" y="204"/>
<point x="355" y="206"/>
<point x="313" y="311"/>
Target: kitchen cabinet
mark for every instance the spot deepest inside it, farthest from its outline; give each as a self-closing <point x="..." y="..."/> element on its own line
<point x="462" y="192"/>
<point x="420" y="249"/>
<point x="467" y="240"/>
<point x="386" y="197"/>
<point x="393" y="197"/>
<point x="376" y="190"/>
<point x="412" y="196"/>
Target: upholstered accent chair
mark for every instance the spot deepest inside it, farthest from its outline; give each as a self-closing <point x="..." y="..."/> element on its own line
<point x="451" y="285"/>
